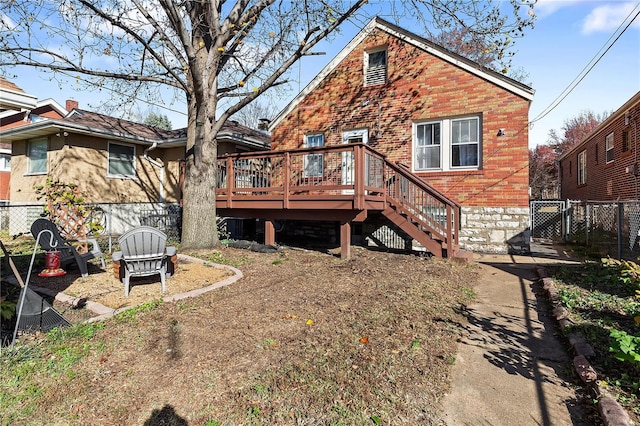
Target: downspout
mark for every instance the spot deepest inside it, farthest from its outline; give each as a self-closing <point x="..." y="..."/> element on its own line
<point x="158" y="165"/>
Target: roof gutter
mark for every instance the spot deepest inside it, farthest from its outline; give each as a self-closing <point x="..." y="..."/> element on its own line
<point x="160" y="166"/>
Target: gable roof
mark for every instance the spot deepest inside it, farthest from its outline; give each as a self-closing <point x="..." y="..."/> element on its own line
<point x="624" y="109"/>
<point x="40" y="104"/>
<point x="494" y="77"/>
<point x="12" y="97"/>
<point x="95" y="124"/>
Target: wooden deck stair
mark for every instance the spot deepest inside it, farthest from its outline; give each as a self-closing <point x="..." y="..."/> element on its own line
<point x="353" y="181"/>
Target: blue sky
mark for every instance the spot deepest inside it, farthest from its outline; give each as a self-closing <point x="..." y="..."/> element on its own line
<point x="567" y="36"/>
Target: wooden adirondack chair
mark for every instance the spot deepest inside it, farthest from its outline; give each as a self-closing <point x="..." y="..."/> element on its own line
<point x="143" y="253"/>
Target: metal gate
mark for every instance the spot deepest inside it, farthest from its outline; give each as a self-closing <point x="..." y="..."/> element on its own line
<point x="547" y="219"/>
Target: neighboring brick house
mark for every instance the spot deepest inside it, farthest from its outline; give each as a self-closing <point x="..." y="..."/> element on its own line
<point x="460" y="127"/>
<point x="604" y="165"/>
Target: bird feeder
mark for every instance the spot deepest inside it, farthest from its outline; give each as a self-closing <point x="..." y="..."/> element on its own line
<point x="52" y="265"/>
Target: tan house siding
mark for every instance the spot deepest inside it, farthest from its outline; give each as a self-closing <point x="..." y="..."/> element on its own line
<point x="420" y="87"/>
<point x="83" y="160"/>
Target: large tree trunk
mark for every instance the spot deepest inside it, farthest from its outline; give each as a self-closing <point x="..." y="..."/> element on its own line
<point x="199" y="229"/>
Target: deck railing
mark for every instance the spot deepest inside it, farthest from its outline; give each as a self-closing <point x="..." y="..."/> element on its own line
<point x="341" y="171"/>
<point x="350" y="170"/>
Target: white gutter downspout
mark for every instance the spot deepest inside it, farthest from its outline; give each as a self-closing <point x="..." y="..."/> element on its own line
<point x="158" y="165"/>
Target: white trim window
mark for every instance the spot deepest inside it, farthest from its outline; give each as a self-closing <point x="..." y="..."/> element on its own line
<point x="375" y="67"/>
<point x="121" y="161"/>
<point x="427" y="152"/>
<point x="5" y="161"/>
<point x="608" y="149"/>
<point x="449" y="144"/>
<point x="313" y="163"/>
<point x="37" y="157"/>
<point x="582" y="168"/>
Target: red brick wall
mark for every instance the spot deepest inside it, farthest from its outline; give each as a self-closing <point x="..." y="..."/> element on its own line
<point x="605" y="181"/>
<point x="420" y="86"/>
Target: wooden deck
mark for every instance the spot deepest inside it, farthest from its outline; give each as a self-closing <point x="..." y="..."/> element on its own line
<point x="340" y="183"/>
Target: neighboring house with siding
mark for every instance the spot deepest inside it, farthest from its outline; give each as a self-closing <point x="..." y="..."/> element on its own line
<point x="460" y="127"/>
<point x="604" y="165"/>
<point x="111" y="159"/>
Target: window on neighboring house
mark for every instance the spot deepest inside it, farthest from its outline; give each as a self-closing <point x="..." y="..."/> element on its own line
<point x="448" y="144"/>
<point x="609" y="148"/>
<point x="37" y="157"/>
<point x="625" y="140"/>
<point x="595" y="157"/>
<point x="121" y="160"/>
<point x="375" y="67"/>
<point x="582" y="168"/>
<point x="5" y="162"/>
<point x="313" y="163"/>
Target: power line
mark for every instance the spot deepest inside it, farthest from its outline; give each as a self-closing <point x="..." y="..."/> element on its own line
<point x="126" y="94"/>
<point x="587" y="69"/>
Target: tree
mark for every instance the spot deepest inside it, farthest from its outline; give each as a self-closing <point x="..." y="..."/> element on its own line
<point x="475" y="47"/>
<point x="575" y="129"/>
<point x="221" y="55"/>
<point x="543" y="170"/>
<point x="160" y="121"/>
<point x="252" y="114"/>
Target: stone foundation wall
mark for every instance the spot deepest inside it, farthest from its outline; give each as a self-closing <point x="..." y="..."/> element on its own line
<point x="495" y="229"/>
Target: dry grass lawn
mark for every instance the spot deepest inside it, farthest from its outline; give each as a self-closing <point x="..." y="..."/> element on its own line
<point x="304" y="338"/>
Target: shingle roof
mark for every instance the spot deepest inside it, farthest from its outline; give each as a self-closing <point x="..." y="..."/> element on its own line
<point x="8" y="85"/>
<point x="231" y="129"/>
<point x="121" y="127"/>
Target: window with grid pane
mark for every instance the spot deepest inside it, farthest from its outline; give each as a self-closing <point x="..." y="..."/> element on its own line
<point x="609" y="148"/>
<point x="464" y="142"/>
<point x="313" y="163"/>
<point x="375" y="68"/>
<point x="427" y="153"/>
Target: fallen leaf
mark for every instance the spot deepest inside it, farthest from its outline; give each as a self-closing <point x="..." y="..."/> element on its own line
<point x="364" y="340"/>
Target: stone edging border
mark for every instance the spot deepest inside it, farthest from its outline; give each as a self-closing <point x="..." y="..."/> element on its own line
<point x="611" y="412"/>
<point x="105" y="312"/>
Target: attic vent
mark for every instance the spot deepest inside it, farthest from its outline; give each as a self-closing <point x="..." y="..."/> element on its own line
<point x="375" y="71"/>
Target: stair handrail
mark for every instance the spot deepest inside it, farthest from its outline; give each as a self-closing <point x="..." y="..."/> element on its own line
<point x="449" y="232"/>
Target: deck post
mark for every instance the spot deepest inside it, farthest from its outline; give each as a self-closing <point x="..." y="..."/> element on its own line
<point x="286" y="180"/>
<point x="345" y="239"/>
<point x="269" y="233"/>
<point x="359" y="176"/>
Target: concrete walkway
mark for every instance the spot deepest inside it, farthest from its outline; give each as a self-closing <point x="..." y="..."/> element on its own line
<point x="511" y="367"/>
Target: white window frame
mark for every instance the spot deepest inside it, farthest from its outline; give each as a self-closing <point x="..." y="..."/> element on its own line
<point x="37" y="166"/>
<point x="5" y="160"/>
<point x="109" y="159"/>
<point x="448" y="146"/>
<point x="376" y="74"/>
<point x="313" y="164"/>
<point x="608" y="149"/>
<point x="422" y="146"/>
<point x="582" y="167"/>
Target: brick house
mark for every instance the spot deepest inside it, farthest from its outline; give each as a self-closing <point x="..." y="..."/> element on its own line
<point x="604" y="165"/>
<point x="459" y="127"/>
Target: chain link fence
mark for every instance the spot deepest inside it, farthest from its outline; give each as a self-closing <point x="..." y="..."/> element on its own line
<point x="612" y="228"/>
<point x="114" y="218"/>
